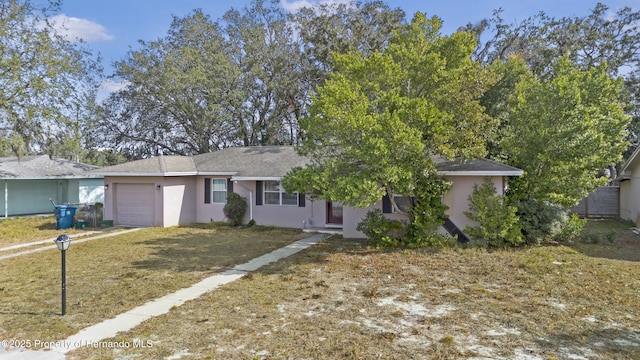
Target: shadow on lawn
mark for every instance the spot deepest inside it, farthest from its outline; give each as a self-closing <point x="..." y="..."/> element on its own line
<point x="48" y="226"/>
<point x="193" y="253"/>
<point x="319" y="254"/>
<point x="612" y="343"/>
<point x="609" y="239"/>
<point x="212" y="251"/>
<point x="198" y="252"/>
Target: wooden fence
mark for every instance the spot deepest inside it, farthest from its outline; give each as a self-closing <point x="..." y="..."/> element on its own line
<point x="604" y="202"/>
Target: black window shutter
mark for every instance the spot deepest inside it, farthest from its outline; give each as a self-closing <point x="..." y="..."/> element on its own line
<point x="207" y="190"/>
<point x="386" y="204"/>
<point x="258" y="192"/>
<point x="229" y="186"/>
<point x="301" y="200"/>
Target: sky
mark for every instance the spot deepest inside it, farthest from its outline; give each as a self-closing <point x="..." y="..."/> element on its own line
<point x="113" y="27"/>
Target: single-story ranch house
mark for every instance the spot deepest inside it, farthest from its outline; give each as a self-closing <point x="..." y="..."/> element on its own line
<point x="173" y="190"/>
<point x="30" y="181"/>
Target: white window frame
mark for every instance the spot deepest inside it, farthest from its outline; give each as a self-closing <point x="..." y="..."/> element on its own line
<point x="215" y="190"/>
<point x="280" y="191"/>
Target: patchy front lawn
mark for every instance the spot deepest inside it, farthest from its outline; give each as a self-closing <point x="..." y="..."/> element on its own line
<point x="22" y="230"/>
<point x="341" y="299"/>
<point x="106" y="277"/>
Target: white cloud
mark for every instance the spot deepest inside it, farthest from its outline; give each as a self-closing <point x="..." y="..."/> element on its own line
<point x="112" y="86"/>
<point x="73" y="28"/>
<point x="108" y="86"/>
<point x="296" y="5"/>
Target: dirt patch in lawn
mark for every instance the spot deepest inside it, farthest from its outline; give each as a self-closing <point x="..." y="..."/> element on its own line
<point x="108" y="276"/>
<point x="341" y="299"/>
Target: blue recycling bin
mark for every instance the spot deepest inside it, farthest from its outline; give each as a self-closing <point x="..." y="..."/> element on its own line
<point x="64" y="216"/>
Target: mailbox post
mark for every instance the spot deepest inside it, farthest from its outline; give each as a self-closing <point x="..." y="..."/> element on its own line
<point x="63" y="242"/>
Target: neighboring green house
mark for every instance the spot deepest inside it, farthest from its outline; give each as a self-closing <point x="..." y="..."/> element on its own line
<point x="27" y="184"/>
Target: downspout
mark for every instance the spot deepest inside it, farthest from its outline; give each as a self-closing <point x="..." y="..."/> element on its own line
<point x="250" y="199"/>
<point x="6" y="199"/>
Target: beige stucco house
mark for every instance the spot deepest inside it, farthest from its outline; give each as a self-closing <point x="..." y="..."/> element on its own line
<point x="629" y="177"/>
<point x="173" y="190"/>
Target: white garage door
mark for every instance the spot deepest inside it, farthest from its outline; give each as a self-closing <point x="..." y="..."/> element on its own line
<point x="135" y="204"/>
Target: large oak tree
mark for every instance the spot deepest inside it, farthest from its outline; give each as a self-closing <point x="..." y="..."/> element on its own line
<point x="47" y="82"/>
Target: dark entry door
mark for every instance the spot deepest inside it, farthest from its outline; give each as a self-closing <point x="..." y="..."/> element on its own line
<point x="334" y="213"/>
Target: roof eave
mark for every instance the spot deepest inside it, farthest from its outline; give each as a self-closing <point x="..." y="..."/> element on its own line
<point x="149" y="174"/>
<point x="217" y="173"/>
<point x="630" y="160"/>
<point x="481" y="173"/>
<point x="55" y="177"/>
<point x="256" y="178"/>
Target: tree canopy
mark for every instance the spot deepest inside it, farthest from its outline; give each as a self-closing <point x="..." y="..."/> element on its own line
<point x="242" y="80"/>
<point x="47" y="83"/>
<point x="379" y="118"/>
<point x="561" y="129"/>
<point x="605" y="36"/>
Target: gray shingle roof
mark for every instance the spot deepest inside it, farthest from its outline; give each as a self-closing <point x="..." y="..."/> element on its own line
<point x="271" y="162"/>
<point x="42" y="167"/>
<point x="478" y="167"/>
<point x="155" y="166"/>
<point x="257" y="161"/>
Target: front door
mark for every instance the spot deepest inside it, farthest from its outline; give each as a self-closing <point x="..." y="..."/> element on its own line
<point x="334" y="213"/>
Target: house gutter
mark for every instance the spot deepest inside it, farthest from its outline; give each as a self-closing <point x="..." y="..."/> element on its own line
<point x="481" y="173"/>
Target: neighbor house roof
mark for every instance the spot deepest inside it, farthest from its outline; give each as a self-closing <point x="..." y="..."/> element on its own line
<point x="272" y="163"/>
<point x="632" y="161"/>
<point x="43" y="167"/>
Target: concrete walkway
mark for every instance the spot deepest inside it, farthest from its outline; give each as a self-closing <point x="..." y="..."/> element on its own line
<point x="132" y="318"/>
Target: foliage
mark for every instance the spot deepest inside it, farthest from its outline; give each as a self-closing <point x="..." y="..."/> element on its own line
<point x="47" y="82"/>
<point x="179" y="94"/>
<point x="542" y="221"/>
<point x="381" y="231"/>
<point x="242" y="80"/>
<point x="235" y="208"/>
<point x="331" y="28"/>
<point x="572" y="228"/>
<point x="102" y="157"/>
<point x="605" y="36"/>
<point x="380" y="116"/>
<point x="560" y="130"/>
<point x="384" y="232"/>
<point x="428" y="213"/>
<point x="498" y="223"/>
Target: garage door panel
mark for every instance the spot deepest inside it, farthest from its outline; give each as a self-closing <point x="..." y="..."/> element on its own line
<point x="135" y="204"/>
